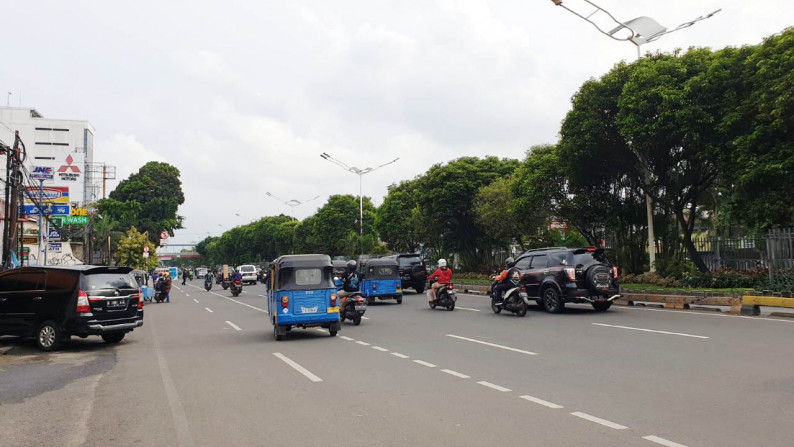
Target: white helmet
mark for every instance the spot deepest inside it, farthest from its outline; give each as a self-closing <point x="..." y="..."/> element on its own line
<point x="442" y="262"/>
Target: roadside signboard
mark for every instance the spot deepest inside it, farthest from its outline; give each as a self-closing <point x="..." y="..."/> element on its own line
<point x="42" y="173"/>
<point x="145" y="252"/>
<point x="70" y="220"/>
<point x="52" y="194"/>
<point x="163" y="238"/>
<point x="55" y="234"/>
<point x="55" y="247"/>
<point x="49" y="210"/>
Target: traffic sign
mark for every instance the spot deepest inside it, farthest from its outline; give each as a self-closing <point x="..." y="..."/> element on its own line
<point x="164" y="234"/>
<point x="146" y="249"/>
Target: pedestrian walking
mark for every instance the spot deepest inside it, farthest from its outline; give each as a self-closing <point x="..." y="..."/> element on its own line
<point x="184" y="276"/>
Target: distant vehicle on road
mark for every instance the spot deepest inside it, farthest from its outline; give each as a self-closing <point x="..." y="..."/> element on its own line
<point x="413" y="271"/>
<point x="249" y="273"/>
<point x="380" y="279"/>
<point x="54" y="303"/>
<point x="201" y="272"/>
<point x="558" y="275"/>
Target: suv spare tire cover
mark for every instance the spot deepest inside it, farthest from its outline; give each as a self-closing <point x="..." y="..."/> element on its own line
<point x="598" y="279"/>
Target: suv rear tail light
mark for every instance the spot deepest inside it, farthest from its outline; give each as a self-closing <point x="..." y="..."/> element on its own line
<point x="285" y="301"/>
<point x="571" y="272"/>
<point x="614" y="272"/>
<point x="140" y="299"/>
<point x="83" y="307"/>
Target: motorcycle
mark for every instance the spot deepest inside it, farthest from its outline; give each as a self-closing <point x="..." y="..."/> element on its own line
<point x="353" y="309"/>
<point x="515" y="300"/>
<point x="225" y="283"/>
<point x="445" y="296"/>
<point x="208" y="282"/>
<point x="236" y="287"/>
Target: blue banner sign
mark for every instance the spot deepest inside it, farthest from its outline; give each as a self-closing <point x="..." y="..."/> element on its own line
<point x="50" y="210"/>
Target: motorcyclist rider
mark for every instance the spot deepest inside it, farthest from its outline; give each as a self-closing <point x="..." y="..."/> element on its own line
<point x="444" y="275"/>
<point x="350" y="282"/>
<point x="508" y="279"/>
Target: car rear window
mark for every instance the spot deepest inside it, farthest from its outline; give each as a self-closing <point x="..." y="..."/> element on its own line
<point x="407" y="261"/>
<point x="585" y="260"/>
<point x="99" y="281"/>
<point x="247" y="269"/>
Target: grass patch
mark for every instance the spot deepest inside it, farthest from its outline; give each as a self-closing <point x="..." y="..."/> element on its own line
<point x="643" y="287"/>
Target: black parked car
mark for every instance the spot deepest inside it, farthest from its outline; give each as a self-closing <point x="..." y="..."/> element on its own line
<point x="413" y="271"/>
<point x="54" y="303"/>
<point x="558" y="275"/>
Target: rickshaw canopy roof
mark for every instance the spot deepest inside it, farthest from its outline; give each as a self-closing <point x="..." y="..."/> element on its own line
<point x="298" y="261"/>
<point x="372" y="262"/>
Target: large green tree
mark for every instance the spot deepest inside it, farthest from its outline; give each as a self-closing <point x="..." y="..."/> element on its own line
<point x="148" y="199"/>
<point x="398" y="219"/>
<point x="338" y="219"/>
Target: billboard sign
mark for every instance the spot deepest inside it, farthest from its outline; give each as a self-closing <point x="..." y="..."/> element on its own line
<point x="49" y="210"/>
<point x="69" y="171"/>
<point x="55" y="234"/>
<point x="52" y="194"/>
<point x="42" y="173"/>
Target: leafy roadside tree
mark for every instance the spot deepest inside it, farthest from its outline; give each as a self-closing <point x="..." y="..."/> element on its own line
<point x="337" y="219"/>
<point x="398" y="219"/>
<point x="148" y="199"/>
<point x="129" y="251"/>
<point x="496" y="214"/>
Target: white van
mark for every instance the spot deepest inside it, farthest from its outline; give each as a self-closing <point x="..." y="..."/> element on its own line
<point x="248" y="272"/>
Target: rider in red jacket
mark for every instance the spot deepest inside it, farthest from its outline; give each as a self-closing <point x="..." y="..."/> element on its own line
<point x="444" y="275"/>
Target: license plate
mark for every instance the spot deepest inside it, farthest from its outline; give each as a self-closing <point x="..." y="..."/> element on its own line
<point x="116" y="303"/>
<point x="361" y="307"/>
<point x="333" y="310"/>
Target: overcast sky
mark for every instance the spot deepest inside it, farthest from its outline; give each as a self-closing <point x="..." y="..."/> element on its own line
<point x="244" y="96"/>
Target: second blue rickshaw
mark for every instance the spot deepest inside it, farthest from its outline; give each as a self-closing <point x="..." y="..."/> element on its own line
<point x="380" y="279"/>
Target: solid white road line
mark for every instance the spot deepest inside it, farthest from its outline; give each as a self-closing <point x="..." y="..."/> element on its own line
<point x="378" y="348"/>
<point x="467" y="308"/>
<point x="397" y="354"/>
<point x="456" y="374"/>
<point x="344" y="337"/>
<point x="362" y="343"/>
<point x="234" y="326"/>
<point x="706" y="314"/>
<point x="209" y="310"/>
<point x="195" y="300"/>
<point x="541" y="402"/>
<point x="493" y="386"/>
<point x="651" y="330"/>
<point x="521" y="351"/>
<point x="662" y="441"/>
<point x="424" y="363"/>
<point x="603" y="422"/>
<point x="297" y="367"/>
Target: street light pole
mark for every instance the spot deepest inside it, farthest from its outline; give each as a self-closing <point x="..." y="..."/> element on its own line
<point x="292" y="202"/>
<point x="360" y="173"/>
<point x="638" y="31"/>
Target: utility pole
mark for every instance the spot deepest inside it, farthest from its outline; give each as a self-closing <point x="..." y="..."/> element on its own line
<point x="11" y="212"/>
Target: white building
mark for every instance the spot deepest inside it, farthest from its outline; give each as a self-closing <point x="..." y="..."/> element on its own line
<point x="65" y="146"/>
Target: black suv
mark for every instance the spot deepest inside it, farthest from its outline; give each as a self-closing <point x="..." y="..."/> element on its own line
<point x="558" y="275"/>
<point x="413" y="271"/>
<point x="54" y="303"/>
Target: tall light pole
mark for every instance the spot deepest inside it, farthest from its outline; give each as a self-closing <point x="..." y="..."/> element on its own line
<point x="360" y="173"/>
<point x="638" y="31"/>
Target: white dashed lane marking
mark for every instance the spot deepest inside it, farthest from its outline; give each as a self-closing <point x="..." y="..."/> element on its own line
<point x="363" y="343"/>
<point x="467" y="308"/>
<point x="651" y="330"/>
<point x="424" y="363"/>
<point x="209" y="310"/>
<point x="195" y="300"/>
<point x="598" y="420"/>
<point x="494" y="345"/>
<point x="662" y="441"/>
<point x="493" y="386"/>
<point x="344" y="337"/>
<point x="234" y="326"/>
<point x="297" y="367"/>
<point x="378" y="348"/>
<point x="456" y="374"/>
<point x="397" y="354"/>
<point x="541" y="402"/>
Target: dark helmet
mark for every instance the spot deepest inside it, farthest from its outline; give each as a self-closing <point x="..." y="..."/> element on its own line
<point x="351" y="265"/>
<point x="510" y="262"/>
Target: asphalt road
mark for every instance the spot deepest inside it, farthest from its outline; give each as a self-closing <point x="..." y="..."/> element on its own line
<point x="205" y="370"/>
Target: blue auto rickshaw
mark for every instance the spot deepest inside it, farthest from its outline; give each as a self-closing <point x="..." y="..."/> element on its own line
<point x="380" y="279"/>
<point x="301" y="293"/>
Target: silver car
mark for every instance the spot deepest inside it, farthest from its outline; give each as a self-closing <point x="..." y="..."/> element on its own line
<point x="248" y="272"/>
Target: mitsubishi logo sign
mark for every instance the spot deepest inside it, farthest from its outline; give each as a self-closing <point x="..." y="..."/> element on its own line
<point x="69" y="172"/>
<point x="69" y="165"/>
